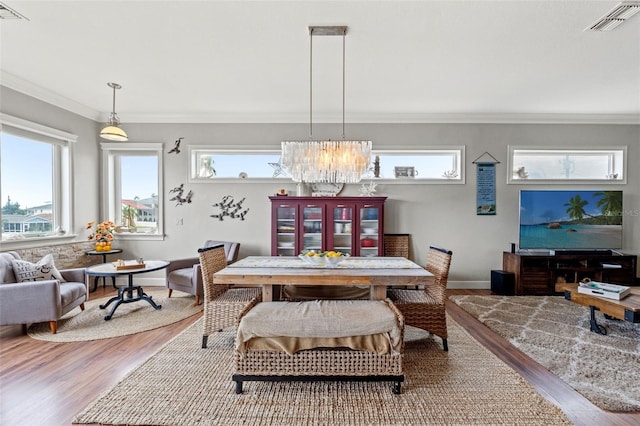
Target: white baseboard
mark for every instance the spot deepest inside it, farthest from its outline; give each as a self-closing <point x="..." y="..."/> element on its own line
<point x="476" y="285"/>
<point x="161" y="282"/>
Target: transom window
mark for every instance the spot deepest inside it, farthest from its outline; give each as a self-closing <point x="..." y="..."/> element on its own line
<point x="562" y="165"/>
<point x="209" y="164"/>
<point x="443" y="165"/>
<point x="420" y="165"/>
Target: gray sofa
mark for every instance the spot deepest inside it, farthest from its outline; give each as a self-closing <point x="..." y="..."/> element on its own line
<point x="39" y="301"/>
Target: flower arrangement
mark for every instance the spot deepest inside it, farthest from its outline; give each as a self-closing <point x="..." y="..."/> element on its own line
<point x="102" y="234"/>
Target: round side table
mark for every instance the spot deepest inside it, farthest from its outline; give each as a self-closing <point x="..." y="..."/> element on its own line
<point x="104" y="255"/>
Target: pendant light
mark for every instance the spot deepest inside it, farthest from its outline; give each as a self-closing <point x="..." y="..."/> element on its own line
<point x="112" y="131"/>
<point x="328" y="161"/>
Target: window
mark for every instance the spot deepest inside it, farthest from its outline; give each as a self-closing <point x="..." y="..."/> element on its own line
<point x="529" y="165"/>
<point x="132" y="174"/>
<point x="35" y="204"/>
<point x="433" y="165"/>
<point x="210" y="164"/>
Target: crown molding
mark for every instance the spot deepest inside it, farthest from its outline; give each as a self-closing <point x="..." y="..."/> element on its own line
<point x="390" y="118"/>
<point x="16" y="83"/>
<point x="38" y="92"/>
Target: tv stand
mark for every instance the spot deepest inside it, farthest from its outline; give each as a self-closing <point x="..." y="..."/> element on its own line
<point x="538" y="273"/>
<point x="603" y="252"/>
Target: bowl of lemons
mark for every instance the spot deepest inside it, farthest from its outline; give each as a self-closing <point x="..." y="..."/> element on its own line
<point x="335" y="257"/>
<point x="326" y="258"/>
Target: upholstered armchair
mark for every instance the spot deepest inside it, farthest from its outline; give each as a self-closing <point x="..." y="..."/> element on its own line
<point x="185" y="275"/>
<point x="39" y="299"/>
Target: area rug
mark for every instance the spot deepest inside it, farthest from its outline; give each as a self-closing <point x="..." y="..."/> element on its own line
<point x="183" y="384"/>
<point x="129" y="318"/>
<point x="555" y="333"/>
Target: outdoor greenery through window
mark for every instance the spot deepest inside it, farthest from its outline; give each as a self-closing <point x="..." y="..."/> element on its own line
<point x="423" y="165"/>
<point x="562" y="165"/>
<point x="37" y="203"/>
<point x="133" y="196"/>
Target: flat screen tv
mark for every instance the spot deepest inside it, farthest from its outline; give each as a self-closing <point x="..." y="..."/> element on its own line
<point x="567" y="219"/>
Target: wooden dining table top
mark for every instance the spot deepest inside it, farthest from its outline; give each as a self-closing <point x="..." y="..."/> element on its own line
<point x="377" y="272"/>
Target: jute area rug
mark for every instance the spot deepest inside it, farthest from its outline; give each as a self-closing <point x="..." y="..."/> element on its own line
<point x="129" y="318"/>
<point x="183" y="384"/>
<point x="555" y="333"/>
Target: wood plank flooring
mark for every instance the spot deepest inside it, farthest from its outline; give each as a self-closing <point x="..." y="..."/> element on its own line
<point x="44" y="383"/>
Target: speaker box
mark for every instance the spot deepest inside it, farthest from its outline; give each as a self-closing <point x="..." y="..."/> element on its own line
<point x="503" y="282"/>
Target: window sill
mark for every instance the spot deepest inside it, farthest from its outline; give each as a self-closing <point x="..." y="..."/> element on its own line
<point x="138" y="236"/>
<point x="528" y="181"/>
<point x="36" y="242"/>
<point x="391" y="181"/>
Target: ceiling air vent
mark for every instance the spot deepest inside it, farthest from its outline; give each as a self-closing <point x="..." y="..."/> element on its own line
<point x="616" y="16"/>
<point x="7" y="13"/>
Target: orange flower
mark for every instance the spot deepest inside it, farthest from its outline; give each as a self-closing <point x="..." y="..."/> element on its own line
<point x="102" y="231"/>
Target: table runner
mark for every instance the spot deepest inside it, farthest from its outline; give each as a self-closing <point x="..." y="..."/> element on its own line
<point x="349" y="263"/>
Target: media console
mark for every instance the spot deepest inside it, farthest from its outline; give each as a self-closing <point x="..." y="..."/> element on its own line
<point x="538" y="273"/>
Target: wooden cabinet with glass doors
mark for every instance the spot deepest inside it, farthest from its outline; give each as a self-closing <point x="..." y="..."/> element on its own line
<point x="351" y="225"/>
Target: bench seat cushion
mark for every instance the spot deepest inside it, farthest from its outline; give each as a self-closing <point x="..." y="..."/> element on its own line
<point x="292" y="326"/>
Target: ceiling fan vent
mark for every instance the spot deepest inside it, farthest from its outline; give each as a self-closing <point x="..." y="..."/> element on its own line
<point x="7" y="13"/>
<point x="616" y="16"/>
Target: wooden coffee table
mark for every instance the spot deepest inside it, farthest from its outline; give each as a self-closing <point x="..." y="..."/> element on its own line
<point x="627" y="309"/>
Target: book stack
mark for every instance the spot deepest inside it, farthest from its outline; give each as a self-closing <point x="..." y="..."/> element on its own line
<point x="608" y="291"/>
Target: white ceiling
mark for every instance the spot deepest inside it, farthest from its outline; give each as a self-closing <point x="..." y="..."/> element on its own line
<point x="248" y="61"/>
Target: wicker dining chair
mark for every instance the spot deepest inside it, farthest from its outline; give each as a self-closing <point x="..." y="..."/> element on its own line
<point x="396" y="245"/>
<point x="222" y="303"/>
<point x="425" y="308"/>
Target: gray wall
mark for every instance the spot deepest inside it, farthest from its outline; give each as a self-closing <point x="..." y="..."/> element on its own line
<point x="432" y="213"/>
<point x="85" y="150"/>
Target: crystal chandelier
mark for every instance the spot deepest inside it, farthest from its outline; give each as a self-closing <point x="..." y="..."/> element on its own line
<point x="326" y="161"/>
<point x="329" y="161"/>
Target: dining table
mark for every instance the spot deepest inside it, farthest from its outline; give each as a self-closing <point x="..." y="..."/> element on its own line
<point x="270" y="272"/>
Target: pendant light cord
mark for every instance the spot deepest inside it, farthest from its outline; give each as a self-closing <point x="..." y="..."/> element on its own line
<point x="310" y="83"/>
<point x="113" y="109"/>
<point x="344" y="37"/>
<point x="343" y="85"/>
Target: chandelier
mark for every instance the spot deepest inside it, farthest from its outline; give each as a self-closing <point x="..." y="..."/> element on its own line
<point x="327" y="161"/>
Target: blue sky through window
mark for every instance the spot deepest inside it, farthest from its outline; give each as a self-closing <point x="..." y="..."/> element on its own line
<point x="27" y="171"/>
<point x="139" y="176"/>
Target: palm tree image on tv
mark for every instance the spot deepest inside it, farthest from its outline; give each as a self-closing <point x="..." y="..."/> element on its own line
<point x="610" y="205"/>
<point x="571" y="219"/>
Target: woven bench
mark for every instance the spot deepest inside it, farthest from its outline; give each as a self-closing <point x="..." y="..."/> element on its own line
<point x="325" y="363"/>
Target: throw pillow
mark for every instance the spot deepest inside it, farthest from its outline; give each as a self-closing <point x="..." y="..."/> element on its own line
<point x="41" y="271"/>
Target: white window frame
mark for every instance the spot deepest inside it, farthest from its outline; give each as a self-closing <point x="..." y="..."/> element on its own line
<point x="111" y="197"/>
<point x="457" y="150"/>
<point x="63" y="143"/>
<point x="620" y="167"/>
<point x="195" y="151"/>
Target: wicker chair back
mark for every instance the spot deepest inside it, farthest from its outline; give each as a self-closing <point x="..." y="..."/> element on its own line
<point x="222" y="303"/>
<point x="439" y="263"/>
<point x="212" y="260"/>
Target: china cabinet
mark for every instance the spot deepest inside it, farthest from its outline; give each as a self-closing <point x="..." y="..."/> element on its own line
<point x="351" y="225"/>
